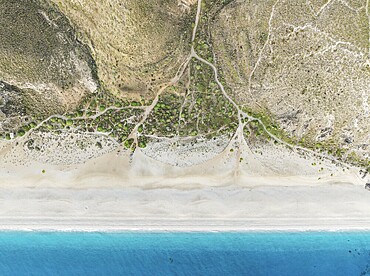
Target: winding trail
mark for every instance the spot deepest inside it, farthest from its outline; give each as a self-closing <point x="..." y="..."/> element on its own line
<point x="180" y="72"/>
<point x="238" y="136"/>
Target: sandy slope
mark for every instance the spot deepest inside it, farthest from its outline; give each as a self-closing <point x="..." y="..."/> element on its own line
<point x="116" y="192"/>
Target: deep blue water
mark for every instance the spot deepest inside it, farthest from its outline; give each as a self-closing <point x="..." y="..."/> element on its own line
<point x="307" y="253"/>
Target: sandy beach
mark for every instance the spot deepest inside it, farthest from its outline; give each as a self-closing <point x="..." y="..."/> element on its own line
<point x="223" y="209"/>
<point x="116" y="192"/>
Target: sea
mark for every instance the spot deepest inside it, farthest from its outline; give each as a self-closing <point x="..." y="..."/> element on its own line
<point x="193" y="253"/>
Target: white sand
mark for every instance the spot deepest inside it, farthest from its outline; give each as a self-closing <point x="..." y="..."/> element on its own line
<point x="277" y="190"/>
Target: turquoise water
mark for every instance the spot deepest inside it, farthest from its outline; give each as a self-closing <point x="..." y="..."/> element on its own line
<point x="307" y="253"/>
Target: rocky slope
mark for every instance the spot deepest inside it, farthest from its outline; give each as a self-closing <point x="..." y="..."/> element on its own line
<point x="305" y="64"/>
<point x="44" y="69"/>
<point x="136" y="44"/>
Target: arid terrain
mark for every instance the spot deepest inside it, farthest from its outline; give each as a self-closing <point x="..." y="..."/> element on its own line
<point x="290" y="73"/>
<point x="212" y="93"/>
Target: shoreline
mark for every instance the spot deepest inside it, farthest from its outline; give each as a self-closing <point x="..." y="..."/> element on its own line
<point x="186" y="226"/>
